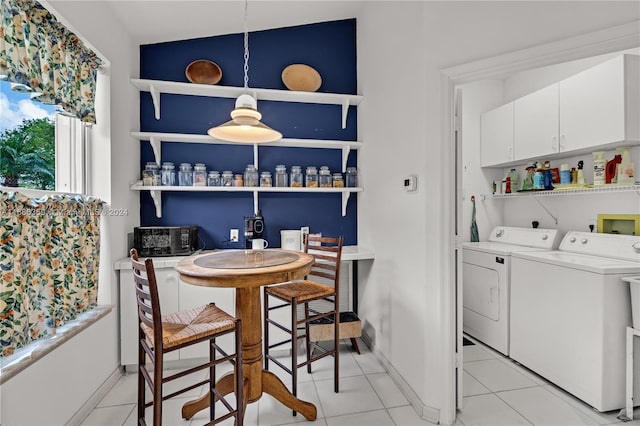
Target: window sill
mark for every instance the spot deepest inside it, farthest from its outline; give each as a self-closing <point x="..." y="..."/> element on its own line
<point x="24" y="357"/>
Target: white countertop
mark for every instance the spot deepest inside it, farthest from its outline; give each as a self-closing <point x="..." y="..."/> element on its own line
<point x="348" y="253"/>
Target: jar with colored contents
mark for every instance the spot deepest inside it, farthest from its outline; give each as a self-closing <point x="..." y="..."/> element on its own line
<point x="311" y="177"/>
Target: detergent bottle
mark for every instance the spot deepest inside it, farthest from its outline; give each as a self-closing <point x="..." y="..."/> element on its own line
<point x="626" y="175"/>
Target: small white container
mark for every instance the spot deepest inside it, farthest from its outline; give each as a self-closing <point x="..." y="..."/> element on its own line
<point x="290" y="239"/>
<point x="634" y="285"/>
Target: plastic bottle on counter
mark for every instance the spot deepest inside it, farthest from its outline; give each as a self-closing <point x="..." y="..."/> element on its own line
<point x="548" y="177"/>
<point x="574" y="175"/>
<point x="538" y="177"/>
<point x="565" y="174"/>
<point x="599" y="166"/>
<point x="580" y="177"/>
<point x="515" y="180"/>
<point x="626" y="169"/>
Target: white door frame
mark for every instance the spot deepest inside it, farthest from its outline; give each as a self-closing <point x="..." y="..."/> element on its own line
<point x="613" y="39"/>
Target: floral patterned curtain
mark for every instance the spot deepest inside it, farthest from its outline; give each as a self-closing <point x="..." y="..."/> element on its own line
<point x="41" y="53"/>
<point x="49" y="251"/>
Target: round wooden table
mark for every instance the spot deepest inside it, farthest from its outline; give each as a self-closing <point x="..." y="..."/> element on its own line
<point x="247" y="271"/>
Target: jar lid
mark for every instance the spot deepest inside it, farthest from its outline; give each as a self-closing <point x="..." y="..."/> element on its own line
<point x="325" y="171"/>
<point x="337" y="175"/>
<point x="200" y="167"/>
<point x="282" y="167"/>
<point x="352" y="169"/>
<point x="265" y="173"/>
<point x="214" y="173"/>
<point x="250" y="166"/>
<point x="296" y="168"/>
<point x="311" y="168"/>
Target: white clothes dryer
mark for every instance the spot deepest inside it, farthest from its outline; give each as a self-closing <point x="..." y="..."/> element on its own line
<point x="569" y="313"/>
<point x="486" y="280"/>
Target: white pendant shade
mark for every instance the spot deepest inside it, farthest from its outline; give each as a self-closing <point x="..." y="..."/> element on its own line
<point x="245" y="125"/>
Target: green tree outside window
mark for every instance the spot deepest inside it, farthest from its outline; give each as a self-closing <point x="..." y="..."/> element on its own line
<point x="27" y="155"/>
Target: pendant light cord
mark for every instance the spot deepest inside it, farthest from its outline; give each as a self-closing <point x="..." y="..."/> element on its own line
<point x="246" y="48"/>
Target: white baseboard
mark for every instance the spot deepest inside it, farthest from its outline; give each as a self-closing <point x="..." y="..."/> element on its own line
<point x="425" y="412"/>
<point x="94" y="399"/>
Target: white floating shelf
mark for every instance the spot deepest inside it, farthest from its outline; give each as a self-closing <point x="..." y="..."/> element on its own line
<point x="157" y="138"/>
<point x="156" y="192"/>
<point x="157" y="87"/>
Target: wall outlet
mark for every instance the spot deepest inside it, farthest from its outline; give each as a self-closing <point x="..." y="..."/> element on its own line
<point x="233" y="235"/>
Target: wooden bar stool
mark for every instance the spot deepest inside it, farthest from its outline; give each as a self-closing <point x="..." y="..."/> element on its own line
<point x="327" y="253"/>
<point x="158" y="335"/>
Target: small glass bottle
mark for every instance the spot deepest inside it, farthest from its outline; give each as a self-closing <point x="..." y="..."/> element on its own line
<point x="352" y="177"/>
<point x="250" y="175"/>
<point x="168" y="174"/>
<point x="311" y="177"/>
<point x="325" y="177"/>
<point x="185" y="175"/>
<point x="227" y="178"/>
<point x="281" y="177"/>
<point x="265" y="179"/>
<point x="214" y="178"/>
<point x="338" y="182"/>
<point x="200" y="175"/>
<point x="296" y="176"/>
<point x="238" y="180"/>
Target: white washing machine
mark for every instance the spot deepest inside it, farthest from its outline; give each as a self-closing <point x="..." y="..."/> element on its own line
<point x="486" y="280"/>
<point x="569" y="313"/>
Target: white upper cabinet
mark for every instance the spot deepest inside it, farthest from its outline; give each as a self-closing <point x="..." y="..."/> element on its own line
<point x="496" y="136"/>
<point x="536" y="123"/>
<point x="596" y="109"/>
<point x="597" y="106"/>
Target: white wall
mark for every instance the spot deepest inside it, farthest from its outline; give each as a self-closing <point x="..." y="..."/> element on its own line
<point x="402" y="46"/>
<point x="115" y="157"/>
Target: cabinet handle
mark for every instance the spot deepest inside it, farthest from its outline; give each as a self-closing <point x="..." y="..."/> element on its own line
<point x="510" y="153"/>
<point x="561" y="146"/>
<point x="554" y="143"/>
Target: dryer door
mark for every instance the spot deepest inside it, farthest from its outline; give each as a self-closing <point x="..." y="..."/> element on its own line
<point x="481" y="290"/>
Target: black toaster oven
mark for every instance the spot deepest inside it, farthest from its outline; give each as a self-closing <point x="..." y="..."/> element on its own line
<point x="151" y="241"/>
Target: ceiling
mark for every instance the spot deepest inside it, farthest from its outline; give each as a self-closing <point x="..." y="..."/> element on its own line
<point x="158" y="21"/>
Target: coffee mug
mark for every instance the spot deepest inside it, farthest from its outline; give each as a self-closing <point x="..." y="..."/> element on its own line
<point x="259" y="244"/>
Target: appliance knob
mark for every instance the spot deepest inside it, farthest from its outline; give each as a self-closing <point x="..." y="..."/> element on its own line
<point x="584" y="241"/>
<point x="572" y="239"/>
<point x="499" y="233"/>
<point x="545" y="237"/>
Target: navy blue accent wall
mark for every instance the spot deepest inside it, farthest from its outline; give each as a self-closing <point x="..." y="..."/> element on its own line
<point x="328" y="47"/>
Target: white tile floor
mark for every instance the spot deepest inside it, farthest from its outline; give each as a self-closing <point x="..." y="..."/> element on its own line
<point x="496" y="392"/>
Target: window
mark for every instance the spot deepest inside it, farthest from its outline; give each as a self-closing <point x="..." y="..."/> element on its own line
<point x="41" y="146"/>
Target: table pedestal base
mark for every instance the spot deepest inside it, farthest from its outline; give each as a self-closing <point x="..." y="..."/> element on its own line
<point x="271" y="384"/>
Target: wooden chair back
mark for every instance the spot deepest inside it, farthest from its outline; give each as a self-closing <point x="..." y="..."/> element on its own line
<point x="327" y="252"/>
<point x="147" y="297"/>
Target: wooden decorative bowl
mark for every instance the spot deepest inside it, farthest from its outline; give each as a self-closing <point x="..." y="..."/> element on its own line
<point x="301" y="77"/>
<point x="203" y="71"/>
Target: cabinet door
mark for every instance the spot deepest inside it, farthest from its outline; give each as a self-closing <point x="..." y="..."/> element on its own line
<point x="192" y="296"/>
<point x="168" y="294"/>
<point x="536" y="124"/>
<point x="592" y="107"/>
<point x="496" y="136"/>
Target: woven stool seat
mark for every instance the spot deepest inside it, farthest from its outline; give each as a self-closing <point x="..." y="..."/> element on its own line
<point x="303" y="290"/>
<point x="187" y="326"/>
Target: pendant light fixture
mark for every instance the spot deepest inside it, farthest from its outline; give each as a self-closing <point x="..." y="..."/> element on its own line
<point x="245" y="125"/>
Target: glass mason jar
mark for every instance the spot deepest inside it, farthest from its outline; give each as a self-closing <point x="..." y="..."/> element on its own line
<point x="250" y="175"/>
<point x="214" y="178"/>
<point x="265" y="179"/>
<point x="296" y="176"/>
<point x="352" y="177"/>
<point x="168" y="174"/>
<point x="151" y="174"/>
<point x="281" y="176"/>
<point x="227" y="178"/>
<point x="338" y="182"/>
<point x="200" y="175"/>
<point x="185" y="175"/>
<point x="311" y="177"/>
<point x="325" y="177"/>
